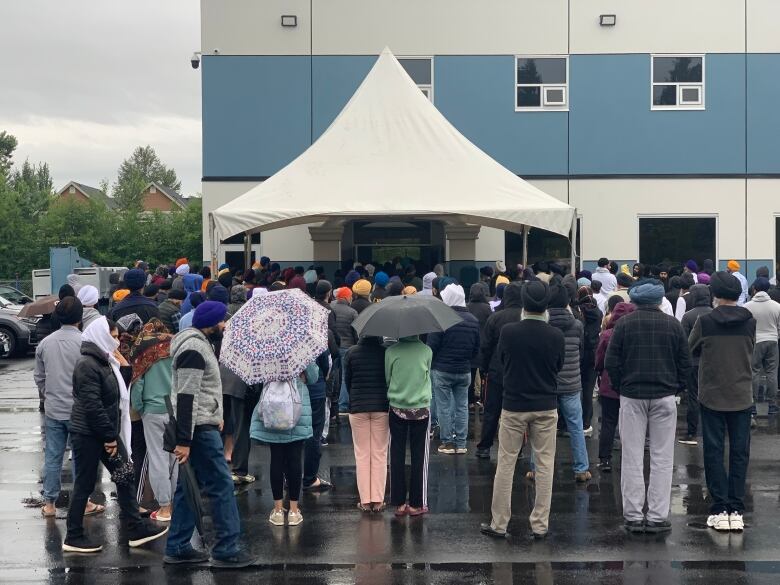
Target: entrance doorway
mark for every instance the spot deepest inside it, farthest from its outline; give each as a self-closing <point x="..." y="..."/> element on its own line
<point x="377" y="242"/>
<point x="673" y="240"/>
<point x="542" y="246"/>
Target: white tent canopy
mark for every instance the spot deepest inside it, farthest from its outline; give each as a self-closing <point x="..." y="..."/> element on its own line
<point x="391" y="154"/>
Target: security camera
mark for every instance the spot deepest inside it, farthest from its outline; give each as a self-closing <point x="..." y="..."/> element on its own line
<point x="195" y="60"/>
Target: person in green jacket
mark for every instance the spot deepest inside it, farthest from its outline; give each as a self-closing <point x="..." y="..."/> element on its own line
<point x="151" y="361"/>
<point x="408" y="377"/>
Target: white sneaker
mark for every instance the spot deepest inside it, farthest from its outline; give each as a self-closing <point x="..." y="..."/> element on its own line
<point x="294" y="518"/>
<point x="588" y="432"/>
<point x="719" y="522"/>
<point x="277" y="517"/>
<point x="736" y="522"/>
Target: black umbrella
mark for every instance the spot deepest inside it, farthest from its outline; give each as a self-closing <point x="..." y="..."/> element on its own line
<point x="403" y="316"/>
<point x="192" y="493"/>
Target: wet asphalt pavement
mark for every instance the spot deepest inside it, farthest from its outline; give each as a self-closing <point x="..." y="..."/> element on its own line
<point x="336" y="544"/>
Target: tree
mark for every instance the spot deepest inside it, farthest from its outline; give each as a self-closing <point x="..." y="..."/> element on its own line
<point x="143" y="167"/>
<point x="7" y="146"/>
<point x="33" y="184"/>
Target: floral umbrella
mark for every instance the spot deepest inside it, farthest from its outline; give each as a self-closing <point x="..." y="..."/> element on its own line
<point x="274" y="336"/>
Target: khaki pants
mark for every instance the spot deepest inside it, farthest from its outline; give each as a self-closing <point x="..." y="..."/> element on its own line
<point x="541" y="428"/>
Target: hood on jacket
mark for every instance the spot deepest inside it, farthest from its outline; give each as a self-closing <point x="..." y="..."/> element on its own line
<point x="477" y="293"/>
<point x="513" y="296"/>
<point x="699" y="295"/>
<point x="238" y="294"/>
<point x="620" y="310"/>
<point x="730" y="315"/>
<point x="761" y="297"/>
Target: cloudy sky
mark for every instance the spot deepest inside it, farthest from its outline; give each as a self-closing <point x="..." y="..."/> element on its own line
<point x="83" y="82"/>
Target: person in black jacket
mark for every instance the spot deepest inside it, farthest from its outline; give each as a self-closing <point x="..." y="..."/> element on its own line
<point x="97" y="426"/>
<point x="364" y="374"/>
<point x="532" y="354"/>
<point x="135" y="302"/>
<point x="453" y="351"/>
<point x="479" y="307"/>
<point x="591" y="319"/>
<point x="491" y="370"/>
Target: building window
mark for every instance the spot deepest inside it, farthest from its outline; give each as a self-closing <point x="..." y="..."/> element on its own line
<point x="542" y="245"/>
<point x="420" y="69"/>
<point x="542" y="83"/>
<point x="673" y="240"/>
<point x="72" y="190"/>
<point x="677" y="82"/>
<point x="152" y="189"/>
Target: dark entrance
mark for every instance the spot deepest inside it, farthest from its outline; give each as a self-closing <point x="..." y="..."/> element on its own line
<point x="542" y="245"/>
<point x="378" y="242"/>
<point x="673" y="240"/>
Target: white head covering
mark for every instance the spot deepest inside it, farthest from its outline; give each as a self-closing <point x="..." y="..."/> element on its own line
<point x="75" y="282"/>
<point x="183" y="269"/>
<point x="454" y="296"/>
<point x="427" y="281"/>
<point x="99" y="334"/>
<point x="88" y="295"/>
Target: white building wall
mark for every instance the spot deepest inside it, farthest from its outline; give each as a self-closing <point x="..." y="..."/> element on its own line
<point x="763" y="211"/>
<point x="660" y="26"/>
<point x="763" y="26"/>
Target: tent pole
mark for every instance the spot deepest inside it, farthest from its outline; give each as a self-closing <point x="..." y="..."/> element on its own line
<point x="212" y="244"/>
<point x="247" y="251"/>
<point x="574" y="244"/>
<point x="526" y="229"/>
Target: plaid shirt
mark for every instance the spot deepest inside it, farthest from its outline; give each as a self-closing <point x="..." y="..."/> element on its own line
<point x="648" y="355"/>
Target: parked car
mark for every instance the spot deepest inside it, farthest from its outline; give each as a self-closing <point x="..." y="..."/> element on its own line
<point x="14" y="296"/>
<point x="17" y="335"/>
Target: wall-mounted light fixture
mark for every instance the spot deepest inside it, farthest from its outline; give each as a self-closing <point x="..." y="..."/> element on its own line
<point x="289" y="20"/>
<point x="608" y="19"/>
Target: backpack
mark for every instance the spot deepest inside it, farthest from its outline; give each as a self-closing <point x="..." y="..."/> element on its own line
<point x="280" y="405"/>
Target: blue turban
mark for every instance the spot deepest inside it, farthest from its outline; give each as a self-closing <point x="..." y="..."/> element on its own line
<point x="381" y="278"/>
<point x="208" y="314"/>
<point x="647" y="292"/>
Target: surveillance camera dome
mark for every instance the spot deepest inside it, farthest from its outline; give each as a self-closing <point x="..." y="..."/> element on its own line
<point x="195" y="60"/>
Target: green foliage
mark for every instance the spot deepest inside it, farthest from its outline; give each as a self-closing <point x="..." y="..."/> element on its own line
<point x="33" y="219"/>
<point x="143" y="167"/>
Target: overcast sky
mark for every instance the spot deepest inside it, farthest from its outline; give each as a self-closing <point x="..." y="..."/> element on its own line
<point x="83" y="82"/>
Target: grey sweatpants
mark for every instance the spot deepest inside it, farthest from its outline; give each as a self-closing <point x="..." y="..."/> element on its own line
<point x="163" y="469"/>
<point x="658" y="419"/>
<point x="765" y="356"/>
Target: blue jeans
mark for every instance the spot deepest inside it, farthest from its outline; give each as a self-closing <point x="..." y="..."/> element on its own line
<point x="211" y="470"/>
<point x="452" y="406"/>
<point x="727" y="489"/>
<point x="56" y="440"/>
<point x="570" y="406"/>
<point x="343" y="394"/>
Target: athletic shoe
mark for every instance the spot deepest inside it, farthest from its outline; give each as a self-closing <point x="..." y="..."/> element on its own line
<point x="773" y="410"/>
<point x="145" y="534"/>
<point x="658" y="527"/>
<point x="482" y="453"/>
<point x="244" y="479"/>
<point x="461" y="450"/>
<point x="688" y="440"/>
<point x="583" y="477"/>
<point x="277" y="517"/>
<point x="605" y="465"/>
<point x="753" y="423"/>
<point x="588" y="432"/>
<point x="736" y="522"/>
<point x="157" y="517"/>
<point x="635" y="526"/>
<point x="294" y="518"/>
<point x="488" y="530"/>
<point x="719" y="522"/>
<point x="192" y="556"/>
<point x="81" y="545"/>
<point x="324" y="442"/>
<point x="446" y="448"/>
<point x="237" y="561"/>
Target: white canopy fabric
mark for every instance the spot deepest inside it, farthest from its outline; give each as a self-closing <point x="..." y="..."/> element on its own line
<point x="391" y="154"/>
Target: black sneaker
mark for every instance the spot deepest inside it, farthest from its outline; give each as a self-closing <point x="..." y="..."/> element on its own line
<point x="81" y="545"/>
<point x="145" y="534"/>
<point x="773" y="410"/>
<point x="605" y="465"/>
<point x="483" y="453"/>
<point x="657" y="527"/>
<point x="488" y="530"/>
<point x="192" y="556"/>
<point x="635" y="526"/>
<point x="237" y="561"/>
<point x="688" y="440"/>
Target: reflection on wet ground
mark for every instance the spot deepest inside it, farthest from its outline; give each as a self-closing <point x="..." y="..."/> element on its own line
<point x="336" y="544"/>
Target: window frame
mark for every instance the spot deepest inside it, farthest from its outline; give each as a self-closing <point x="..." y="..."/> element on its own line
<point x="715" y="216"/>
<point x="679" y="84"/>
<point x="542" y="86"/>
<point x="421" y="86"/>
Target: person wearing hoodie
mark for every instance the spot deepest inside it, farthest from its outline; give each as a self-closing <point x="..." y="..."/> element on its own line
<point x="724" y="340"/>
<point x="479" y="307"/>
<point x="648" y="363"/>
<point x="734" y="268"/>
<point x="684" y="303"/>
<point x="532" y="354"/>
<point x="766" y="312"/>
<point x="344" y="315"/>
<point x="605" y="277"/>
<point x="135" y="302"/>
<point x="453" y="350"/>
<point x="89" y="297"/>
<point x="197" y="393"/>
<point x="608" y="397"/>
<point x="700" y="302"/>
<point x="237" y="299"/>
<point x="491" y="369"/>
<point x="170" y="310"/>
<point x="569" y="382"/>
<point x="591" y="317"/>
<point x="427" y="283"/>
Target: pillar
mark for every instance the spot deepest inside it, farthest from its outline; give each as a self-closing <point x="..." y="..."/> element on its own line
<point x="326" y="244"/>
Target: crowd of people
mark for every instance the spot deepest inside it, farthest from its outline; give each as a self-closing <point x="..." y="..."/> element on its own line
<point x="141" y="390"/>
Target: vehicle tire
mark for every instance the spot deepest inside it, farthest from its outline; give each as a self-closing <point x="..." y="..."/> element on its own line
<point x="7" y="338"/>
